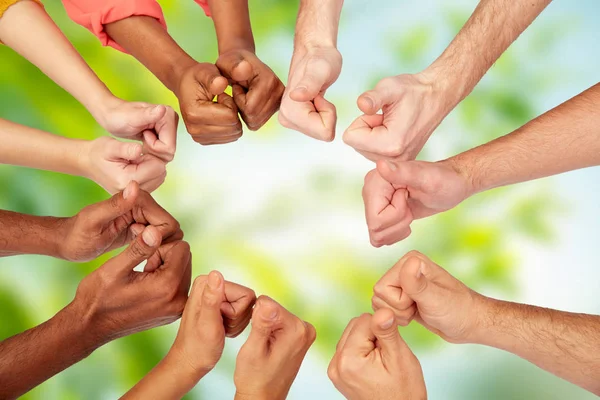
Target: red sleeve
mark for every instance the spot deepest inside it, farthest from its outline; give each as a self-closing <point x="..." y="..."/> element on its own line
<point x="204" y="5"/>
<point x="94" y="14"/>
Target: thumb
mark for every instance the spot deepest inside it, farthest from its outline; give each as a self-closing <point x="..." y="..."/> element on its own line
<point x="383" y="325"/>
<point x="264" y="322"/>
<point x="404" y="173"/>
<point x="119" y="204"/>
<point x="415" y="280"/>
<point x="312" y="82"/>
<point x="235" y="66"/>
<point x="148" y="115"/>
<point x="373" y="100"/>
<point x="212" y="297"/>
<point x="124" y="150"/>
<point x="140" y="249"/>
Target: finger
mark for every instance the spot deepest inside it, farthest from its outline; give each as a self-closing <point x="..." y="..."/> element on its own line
<point x="148" y="212"/>
<point x="162" y="141"/>
<point x="154" y="184"/>
<point x="393" y="234"/>
<point x="148" y="169"/>
<point x="237" y="308"/>
<point x="361" y="338"/>
<point x="234" y="66"/>
<point x="266" y="318"/>
<point x="212" y="297"/>
<point x="211" y="80"/>
<point x="239" y="96"/>
<point x="345" y="334"/>
<point x="116" y="150"/>
<point x="385" y="330"/>
<point x="369" y="134"/>
<point x="374" y="100"/>
<point x="416" y="278"/>
<point x="385" y="206"/>
<point x="312" y="81"/>
<point x="144" y="246"/>
<point x="414" y="174"/>
<point x="175" y="259"/>
<point x="105" y="212"/>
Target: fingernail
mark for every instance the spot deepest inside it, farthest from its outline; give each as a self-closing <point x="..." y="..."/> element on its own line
<point x="387" y="324"/>
<point x="148" y="237"/>
<point x="127" y="191"/>
<point x="391" y="165"/>
<point x="369" y="102"/>
<point x="214" y="280"/>
<point x="301" y="88"/>
<point x="134" y="151"/>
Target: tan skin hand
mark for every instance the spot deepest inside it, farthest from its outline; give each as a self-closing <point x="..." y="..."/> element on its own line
<point x="268" y="362"/>
<point x="372" y="361"/>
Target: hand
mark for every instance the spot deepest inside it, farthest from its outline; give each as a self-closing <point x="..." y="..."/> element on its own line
<point x="207" y="121"/>
<point x="154" y="125"/>
<point x="396" y="193"/>
<point x="418" y="288"/>
<point x="372" y="362"/>
<point x="113" y="164"/>
<point x="216" y="308"/>
<point x="268" y="362"/>
<point x="119" y="301"/>
<point x="113" y="223"/>
<point x="412" y="107"/>
<point x="303" y="107"/>
<point x="256" y="89"/>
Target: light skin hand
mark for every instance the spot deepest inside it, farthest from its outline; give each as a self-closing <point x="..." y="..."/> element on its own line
<point x="111" y="302"/>
<point x="563" y="343"/>
<point x="113" y="164"/>
<point x="113" y="223"/>
<point x="316" y="65"/>
<point x="412" y="107"/>
<point x="396" y="193"/>
<point x="372" y="361"/>
<point x="268" y="362"/>
<point x="418" y="288"/>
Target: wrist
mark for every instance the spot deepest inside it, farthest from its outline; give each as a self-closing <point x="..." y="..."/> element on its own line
<point x="245" y="396"/>
<point x="464" y="167"/>
<point x="78" y="319"/>
<point x="240" y="43"/>
<point x="484" y="311"/>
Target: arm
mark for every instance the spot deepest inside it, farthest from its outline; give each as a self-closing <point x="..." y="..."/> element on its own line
<point x="414" y="105"/>
<point x="256" y="89"/>
<point x="30" y="358"/>
<point x="563" y="139"/>
<point x="316" y="65"/>
<point x="565" y="344"/>
<point x="28" y="234"/>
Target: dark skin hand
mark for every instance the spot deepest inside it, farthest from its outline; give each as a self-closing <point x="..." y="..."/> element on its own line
<point x="111" y="302"/>
<point x="95" y="230"/>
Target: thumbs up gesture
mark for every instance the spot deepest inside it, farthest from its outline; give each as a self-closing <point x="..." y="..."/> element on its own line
<point x="372" y="361"/>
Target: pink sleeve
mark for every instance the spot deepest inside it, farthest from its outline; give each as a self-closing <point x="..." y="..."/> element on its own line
<point x="94" y="14"/>
<point x="204" y="5"/>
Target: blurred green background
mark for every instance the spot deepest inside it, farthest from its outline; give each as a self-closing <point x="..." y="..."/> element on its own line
<point x="283" y="213"/>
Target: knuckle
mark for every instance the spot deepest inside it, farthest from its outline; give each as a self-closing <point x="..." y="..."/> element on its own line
<point x="137" y="251"/>
<point x="393" y="151"/>
<point x="378" y="239"/>
<point x="379" y="289"/>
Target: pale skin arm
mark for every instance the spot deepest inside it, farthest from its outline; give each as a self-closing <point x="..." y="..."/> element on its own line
<point x="29" y="30"/>
<point x="565" y="138"/>
<point x="565" y="344"/>
<point x="318" y="23"/>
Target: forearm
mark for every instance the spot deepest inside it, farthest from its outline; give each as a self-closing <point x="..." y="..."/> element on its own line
<point x="563" y="139"/>
<point x="318" y="23"/>
<point x="147" y="40"/>
<point x="232" y="24"/>
<point x="565" y="344"/>
<point x="27" y="28"/>
<point x="30" y="358"/>
<point x="494" y="25"/>
<point x="33" y="148"/>
<point x="28" y="234"/>
<point x="168" y="380"/>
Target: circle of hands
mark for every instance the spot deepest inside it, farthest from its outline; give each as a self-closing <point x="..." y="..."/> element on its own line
<point x="371" y="356"/>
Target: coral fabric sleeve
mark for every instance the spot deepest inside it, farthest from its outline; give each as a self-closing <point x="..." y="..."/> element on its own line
<point x="94" y="14"/>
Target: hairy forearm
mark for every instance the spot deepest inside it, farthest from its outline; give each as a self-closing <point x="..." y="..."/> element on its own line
<point x="563" y="139"/>
<point x="27" y="28"/>
<point x="494" y="25"/>
<point x="33" y="148"/>
<point x="318" y="23"/>
<point x="565" y="344"/>
<point x="147" y="40"/>
<point x="232" y="24"/>
<point x="168" y="380"/>
<point x="28" y="234"/>
<point x="30" y="358"/>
